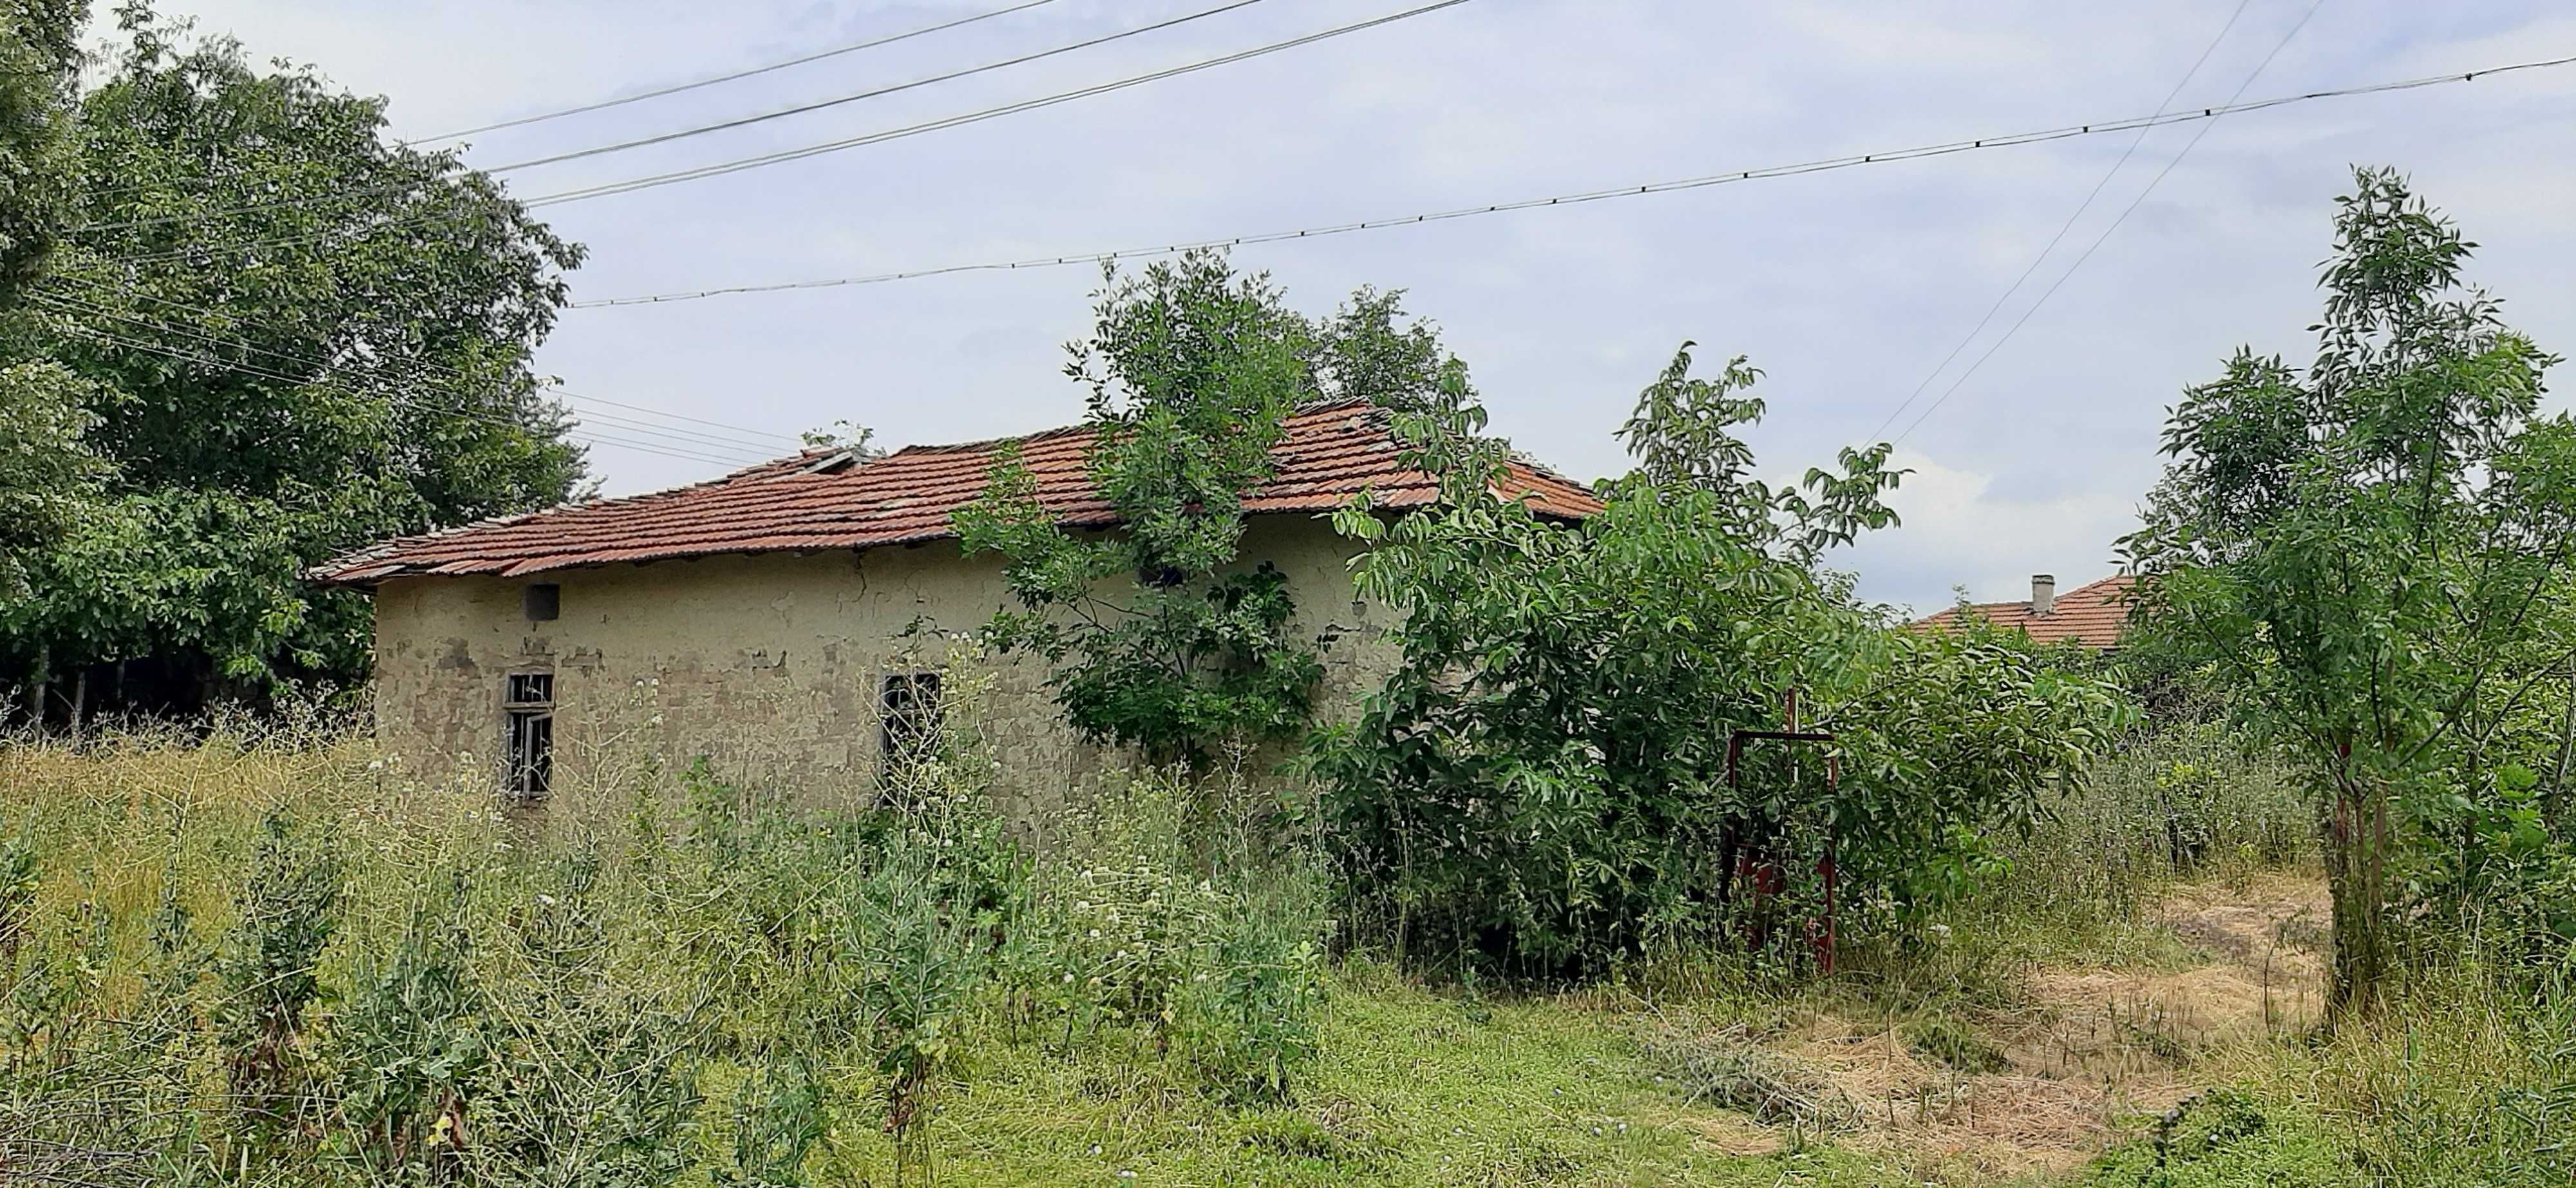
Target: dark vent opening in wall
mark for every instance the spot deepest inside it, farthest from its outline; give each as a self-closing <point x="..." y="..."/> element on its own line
<point x="543" y="601"/>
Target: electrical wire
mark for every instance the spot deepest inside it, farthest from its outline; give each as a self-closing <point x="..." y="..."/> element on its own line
<point x="675" y="89"/>
<point x="650" y="181"/>
<point x="2062" y="228"/>
<point x="1628" y="191"/>
<point x="737" y="436"/>
<point x="822" y="104"/>
<point x="2105" y="236"/>
<point x="719" y="169"/>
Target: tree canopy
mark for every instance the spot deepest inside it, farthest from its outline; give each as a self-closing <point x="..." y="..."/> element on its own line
<point x="278" y="335"/>
<point x="2377" y="555"/>
<point x="1158" y="638"/>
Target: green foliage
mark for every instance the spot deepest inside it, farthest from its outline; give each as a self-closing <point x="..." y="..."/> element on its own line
<point x="1946" y="1040"/>
<point x="1543" y="777"/>
<point x="1956" y="741"/>
<point x="110" y="1072"/>
<point x="2377" y="555"/>
<point x="48" y="472"/>
<point x="593" y="1079"/>
<point x="1157" y="639"/>
<point x="412" y="1046"/>
<point x="1246" y="1016"/>
<point x="18" y="874"/>
<point x="287" y="335"/>
<point x="2224" y="1138"/>
<point x="778" y="1117"/>
<point x="921" y="954"/>
<point x="39" y="60"/>
<point x="1141" y="921"/>
<point x="2187" y="800"/>
<point x="268" y="969"/>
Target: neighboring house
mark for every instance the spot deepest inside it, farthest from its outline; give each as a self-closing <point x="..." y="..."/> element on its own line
<point x="2090" y="616"/>
<point x="797" y="619"/>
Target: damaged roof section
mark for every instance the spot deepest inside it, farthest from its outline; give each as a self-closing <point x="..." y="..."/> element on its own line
<point x="816" y="501"/>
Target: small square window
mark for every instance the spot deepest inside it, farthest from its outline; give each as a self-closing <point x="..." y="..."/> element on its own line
<point x="542" y="601"/>
<point x="908" y="724"/>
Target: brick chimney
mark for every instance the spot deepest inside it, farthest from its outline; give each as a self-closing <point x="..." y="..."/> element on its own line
<point x="2043" y="595"/>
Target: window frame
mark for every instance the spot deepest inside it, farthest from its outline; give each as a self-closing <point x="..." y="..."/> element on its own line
<point x="528" y="734"/>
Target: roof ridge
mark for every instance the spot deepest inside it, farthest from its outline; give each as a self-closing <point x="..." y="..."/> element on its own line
<point x="909" y="496"/>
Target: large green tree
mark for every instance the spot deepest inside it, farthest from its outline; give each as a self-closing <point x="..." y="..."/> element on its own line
<point x="2374" y="551"/>
<point x="291" y="336"/>
<point x="1156" y="641"/>
<point x="47" y="469"/>
<point x="1156" y="635"/>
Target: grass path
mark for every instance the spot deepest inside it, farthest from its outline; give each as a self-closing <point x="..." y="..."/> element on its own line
<point x="1825" y="1086"/>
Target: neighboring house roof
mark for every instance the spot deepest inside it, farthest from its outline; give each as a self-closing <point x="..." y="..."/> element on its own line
<point x="2089" y="615"/>
<point x="818" y="500"/>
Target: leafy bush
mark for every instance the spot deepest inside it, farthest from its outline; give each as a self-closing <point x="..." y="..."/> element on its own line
<point x="1246" y="1017"/>
<point x="289" y="911"/>
<point x="412" y="1046"/>
<point x="778" y="1117"/>
<point x="593" y="1079"/>
<point x="1544" y="779"/>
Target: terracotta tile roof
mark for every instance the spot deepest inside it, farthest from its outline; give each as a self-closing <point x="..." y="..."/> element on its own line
<point x="2090" y="615"/>
<point x="1332" y="451"/>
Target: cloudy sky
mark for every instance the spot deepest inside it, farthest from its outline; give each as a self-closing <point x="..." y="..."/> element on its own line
<point x="1847" y="287"/>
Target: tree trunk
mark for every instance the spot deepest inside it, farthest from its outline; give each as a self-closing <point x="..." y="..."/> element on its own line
<point x="2559" y="801"/>
<point x="2357" y="837"/>
<point x="43" y="686"/>
<point x="80" y="698"/>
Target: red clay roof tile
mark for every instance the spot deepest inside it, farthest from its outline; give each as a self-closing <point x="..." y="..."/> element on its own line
<point x="1331" y="453"/>
<point x="2089" y="615"/>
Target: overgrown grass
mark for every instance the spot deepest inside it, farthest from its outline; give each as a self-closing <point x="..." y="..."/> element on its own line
<point x="687" y="982"/>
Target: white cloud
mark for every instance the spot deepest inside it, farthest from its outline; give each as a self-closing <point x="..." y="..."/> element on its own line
<point x="1960" y="531"/>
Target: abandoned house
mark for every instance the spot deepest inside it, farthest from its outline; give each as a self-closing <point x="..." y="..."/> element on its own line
<point x="2088" y="616"/>
<point x="799" y="619"/>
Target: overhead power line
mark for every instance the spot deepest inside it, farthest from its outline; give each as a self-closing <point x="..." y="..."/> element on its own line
<point x="2106" y="234"/>
<point x="2062" y="228"/>
<point x="675" y="89"/>
<point x="1601" y="195"/>
<point x="761" y="441"/>
<point x="735" y="166"/>
<point x="836" y="101"/>
<point x="702" y="448"/>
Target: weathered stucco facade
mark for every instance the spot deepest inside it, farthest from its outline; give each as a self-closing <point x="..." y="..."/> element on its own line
<point x="772" y="665"/>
